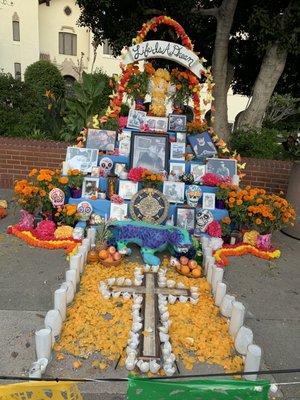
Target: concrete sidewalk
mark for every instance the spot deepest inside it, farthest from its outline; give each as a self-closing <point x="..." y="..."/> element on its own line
<point x="270" y="291"/>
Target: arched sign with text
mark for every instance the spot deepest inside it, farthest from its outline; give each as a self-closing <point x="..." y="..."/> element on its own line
<point x="162" y="49"/>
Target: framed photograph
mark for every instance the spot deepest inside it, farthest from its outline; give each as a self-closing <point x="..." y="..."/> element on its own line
<point x="127" y="189"/>
<point x="185" y="218"/>
<point x="177" y="169"/>
<point x="208" y="201"/>
<point x="177" y="123"/>
<point x="102" y="140"/>
<point x="198" y="170"/>
<point x="124" y="143"/>
<point x="119" y="167"/>
<point x="95" y="172"/>
<point x="221" y="166"/>
<point x="202" y="145"/>
<point x="174" y="191"/>
<point x="157" y="124"/>
<point x="136" y="118"/>
<point x="177" y="151"/>
<point x="82" y="158"/>
<point x="149" y="150"/>
<point x="181" y="137"/>
<point x="90" y="187"/>
<point x="118" y="211"/>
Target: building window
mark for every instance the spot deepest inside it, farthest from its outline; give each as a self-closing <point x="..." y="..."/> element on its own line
<point x="67" y="11"/>
<point x="67" y="43"/>
<point x="18" y="74"/>
<point x="107" y="49"/>
<point x="16" y="31"/>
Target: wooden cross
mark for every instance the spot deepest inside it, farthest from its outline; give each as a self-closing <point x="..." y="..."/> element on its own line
<point x="150" y="346"/>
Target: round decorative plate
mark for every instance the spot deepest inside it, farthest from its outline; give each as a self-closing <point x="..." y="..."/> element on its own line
<point x="149" y="205"/>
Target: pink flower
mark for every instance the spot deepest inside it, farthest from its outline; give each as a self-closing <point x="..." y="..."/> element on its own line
<point x="135" y="174"/>
<point x="115" y="198"/>
<point x="123" y="122"/>
<point x="214" y="229"/>
<point x="210" y="179"/>
<point x="45" y="230"/>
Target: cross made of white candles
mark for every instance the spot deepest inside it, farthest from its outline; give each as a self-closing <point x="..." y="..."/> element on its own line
<point x="151" y="292"/>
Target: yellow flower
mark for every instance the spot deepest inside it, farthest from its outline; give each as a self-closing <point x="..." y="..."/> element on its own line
<point x="63" y="180"/>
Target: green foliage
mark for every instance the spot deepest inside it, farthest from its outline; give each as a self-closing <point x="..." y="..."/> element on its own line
<point x="43" y="76"/>
<point x="280" y="107"/>
<point x="91" y="96"/>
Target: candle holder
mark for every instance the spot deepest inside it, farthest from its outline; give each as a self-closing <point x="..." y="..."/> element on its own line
<point x="111" y="185"/>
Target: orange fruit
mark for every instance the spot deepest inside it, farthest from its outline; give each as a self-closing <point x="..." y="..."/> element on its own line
<point x="196" y="273"/>
<point x="183" y="260"/>
<point x="192" y="264"/>
<point x="117" y="256"/>
<point x="112" y="249"/>
<point x="185" y="270"/>
<point x="103" y="254"/>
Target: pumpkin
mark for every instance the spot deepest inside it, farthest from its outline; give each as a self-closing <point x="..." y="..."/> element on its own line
<point x="92" y="256"/>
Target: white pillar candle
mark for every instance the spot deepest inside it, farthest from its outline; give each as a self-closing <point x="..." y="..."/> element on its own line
<point x="83" y="250"/>
<point x="235" y="180"/>
<point x="76" y="264"/>
<point x="65" y="168"/>
<point x="207" y="261"/>
<point x="220" y="293"/>
<point x="205" y="241"/>
<point x="243" y="339"/>
<point x="35" y="370"/>
<point x="217" y="277"/>
<point x="210" y="269"/>
<point x="252" y="361"/>
<point x="70" y="290"/>
<point x="60" y="302"/>
<point x="207" y="250"/>
<point x="226" y="305"/>
<point x="71" y="276"/>
<point x="91" y="234"/>
<point x="87" y="242"/>
<point x="237" y="318"/>
<point x="53" y="320"/>
<point x="43" y="343"/>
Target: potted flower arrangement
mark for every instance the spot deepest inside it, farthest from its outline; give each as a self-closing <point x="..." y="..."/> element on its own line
<point x="222" y="192"/>
<point x="226" y="229"/>
<point x="75" y="182"/>
<point x="151" y="179"/>
<point x="137" y="87"/>
<point x="66" y="215"/>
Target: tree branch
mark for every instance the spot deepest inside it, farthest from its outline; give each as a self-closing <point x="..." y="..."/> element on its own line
<point x="153" y="11"/>
<point x="206" y="11"/>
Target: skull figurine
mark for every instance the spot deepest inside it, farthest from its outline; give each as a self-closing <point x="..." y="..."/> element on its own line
<point x="57" y="197"/>
<point x="84" y="210"/>
<point x="106" y="165"/>
<point x="193" y="194"/>
<point x="203" y="219"/>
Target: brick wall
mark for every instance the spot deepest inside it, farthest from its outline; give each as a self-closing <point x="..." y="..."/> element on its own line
<point x="19" y="156"/>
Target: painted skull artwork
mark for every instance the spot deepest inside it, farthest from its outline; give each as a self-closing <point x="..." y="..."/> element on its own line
<point x="106" y="165"/>
<point x="84" y="210"/>
<point x="203" y="219"/>
<point x="57" y="197"/>
<point x="193" y="194"/>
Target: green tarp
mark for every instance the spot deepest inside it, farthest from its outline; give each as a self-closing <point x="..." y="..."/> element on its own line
<point x="196" y="389"/>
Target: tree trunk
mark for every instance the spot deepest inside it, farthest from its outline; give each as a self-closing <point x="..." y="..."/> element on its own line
<point x="220" y="70"/>
<point x="270" y="71"/>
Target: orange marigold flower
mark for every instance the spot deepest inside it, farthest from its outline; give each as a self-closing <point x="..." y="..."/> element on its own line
<point x="231" y="200"/>
<point x="226" y="220"/>
<point x="258" y="221"/>
<point x="259" y="200"/>
<point x="63" y="180"/>
<point x="239" y="202"/>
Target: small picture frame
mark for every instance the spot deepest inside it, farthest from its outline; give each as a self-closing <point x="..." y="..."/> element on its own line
<point x="177" y="123"/>
<point x="118" y="212"/>
<point x="181" y="137"/>
<point x="177" y="169"/>
<point x="186" y="218"/>
<point x="202" y="145"/>
<point x="174" y="191"/>
<point x="127" y="189"/>
<point x="156" y="124"/>
<point x="136" y="118"/>
<point x="90" y="187"/>
<point x="208" y="201"/>
<point x="82" y="158"/>
<point x="221" y="166"/>
<point x="118" y="168"/>
<point x="124" y="139"/>
<point x="177" y="151"/>
<point x="101" y="139"/>
<point x="95" y="172"/>
<point x="198" y="170"/>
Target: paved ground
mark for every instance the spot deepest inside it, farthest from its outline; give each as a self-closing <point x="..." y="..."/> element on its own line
<point x="270" y="291"/>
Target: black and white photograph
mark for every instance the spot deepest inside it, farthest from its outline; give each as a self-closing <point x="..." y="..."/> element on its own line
<point x="177" y="169"/>
<point x="177" y="123"/>
<point x="127" y="189"/>
<point x="124" y="139"/>
<point x="156" y="124"/>
<point x="208" y="201"/>
<point x="95" y="172"/>
<point x="177" y="151"/>
<point x="119" y="167"/>
<point x="101" y="140"/>
<point x="198" y="170"/>
<point x="221" y="166"/>
<point x="82" y="159"/>
<point x="136" y="118"/>
<point x="181" y="137"/>
<point x="174" y="191"/>
<point x="118" y="211"/>
<point x="149" y="151"/>
<point x="90" y="187"/>
<point x="186" y="218"/>
<point x="202" y="145"/>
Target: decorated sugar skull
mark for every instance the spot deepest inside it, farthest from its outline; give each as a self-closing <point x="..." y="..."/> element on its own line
<point x="84" y="209"/>
<point x="193" y="194"/>
<point x="57" y="197"/>
<point x="203" y="219"/>
<point x="106" y="165"/>
<point x="78" y="233"/>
